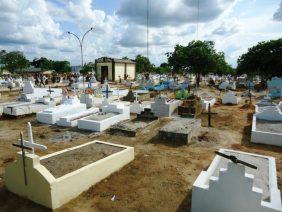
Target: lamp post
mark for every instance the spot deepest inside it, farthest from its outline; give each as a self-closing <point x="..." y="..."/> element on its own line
<point x="81" y="46"/>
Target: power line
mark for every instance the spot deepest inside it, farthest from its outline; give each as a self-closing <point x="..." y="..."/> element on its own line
<point x="198" y="19"/>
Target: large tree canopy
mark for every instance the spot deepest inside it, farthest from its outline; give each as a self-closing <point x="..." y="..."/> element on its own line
<point x="42" y="63"/>
<point x="143" y="64"/>
<point x="61" y="66"/>
<point x="264" y="59"/>
<point x="198" y="57"/>
<point x="14" y="60"/>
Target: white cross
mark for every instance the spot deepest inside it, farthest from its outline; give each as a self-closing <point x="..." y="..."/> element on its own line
<point x="30" y="143"/>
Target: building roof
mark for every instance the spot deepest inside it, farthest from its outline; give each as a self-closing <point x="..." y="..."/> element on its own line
<point x="116" y="60"/>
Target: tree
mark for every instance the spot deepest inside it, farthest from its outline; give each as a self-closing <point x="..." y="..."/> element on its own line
<point x="42" y="63"/>
<point x="264" y="59"/>
<point x="143" y="64"/>
<point x="14" y="60"/>
<point x="198" y="57"/>
<point x="87" y="68"/>
<point x="61" y="66"/>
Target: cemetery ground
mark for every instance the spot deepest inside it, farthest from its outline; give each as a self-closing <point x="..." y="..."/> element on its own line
<point x="161" y="176"/>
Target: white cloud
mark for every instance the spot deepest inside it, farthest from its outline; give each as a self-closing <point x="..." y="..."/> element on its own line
<point x="278" y="14"/>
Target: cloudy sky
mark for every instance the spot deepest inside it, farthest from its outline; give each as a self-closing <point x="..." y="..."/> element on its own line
<point x="38" y="27"/>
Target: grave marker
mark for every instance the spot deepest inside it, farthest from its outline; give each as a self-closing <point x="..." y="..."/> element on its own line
<point x="23" y="147"/>
<point x="209" y="113"/>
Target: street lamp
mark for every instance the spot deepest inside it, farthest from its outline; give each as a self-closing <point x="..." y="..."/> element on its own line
<point x="81" y="45"/>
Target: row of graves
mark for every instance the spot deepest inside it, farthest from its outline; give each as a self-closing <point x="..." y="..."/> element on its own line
<point x="31" y="100"/>
<point x="234" y="181"/>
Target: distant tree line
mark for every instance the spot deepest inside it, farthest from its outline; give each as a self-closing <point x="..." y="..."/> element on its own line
<point x="16" y="61"/>
<point x="198" y="57"/>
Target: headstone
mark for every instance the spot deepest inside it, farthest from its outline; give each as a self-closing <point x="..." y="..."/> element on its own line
<point x="270" y="113"/>
<point x="207" y="100"/>
<point x="230" y="98"/>
<point x="275" y="87"/>
<point x="164" y="107"/>
<point x="28" y="87"/>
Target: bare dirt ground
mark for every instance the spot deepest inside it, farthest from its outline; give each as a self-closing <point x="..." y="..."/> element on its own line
<point x="161" y="176"/>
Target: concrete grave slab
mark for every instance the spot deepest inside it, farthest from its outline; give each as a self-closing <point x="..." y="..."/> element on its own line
<point x="132" y="128"/>
<point x="180" y="130"/>
<point x="111" y="114"/>
<point x="71" y="120"/>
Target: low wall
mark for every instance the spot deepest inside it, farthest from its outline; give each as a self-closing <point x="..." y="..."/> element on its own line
<point x="265" y="137"/>
<point x="43" y="188"/>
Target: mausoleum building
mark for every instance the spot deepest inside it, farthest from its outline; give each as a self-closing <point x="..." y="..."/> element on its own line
<point x="115" y="69"/>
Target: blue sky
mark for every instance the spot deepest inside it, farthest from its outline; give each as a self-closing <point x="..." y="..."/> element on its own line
<point x="38" y="27"/>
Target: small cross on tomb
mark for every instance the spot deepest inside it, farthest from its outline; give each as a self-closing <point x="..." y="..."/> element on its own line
<point x="209" y="113"/>
<point x="107" y="91"/>
<point x="28" y="145"/>
<point x="235" y="160"/>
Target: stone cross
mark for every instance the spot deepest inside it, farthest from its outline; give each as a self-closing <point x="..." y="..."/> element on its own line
<point x="30" y="143"/>
<point x="23" y="148"/>
<point x="209" y="113"/>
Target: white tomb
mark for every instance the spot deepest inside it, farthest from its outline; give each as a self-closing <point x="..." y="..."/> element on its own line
<point x="164" y="107"/>
<point x="267" y="125"/>
<point x="111" y="114"/>
<point x="226" y="186"/>
<point x="71" y="120"/>
<point x="52" y="115"/>
<point x="26" y="108"/>
<point x="136" y="107"/>
<point x="90" y="100"/>
<point x="32" y="94"/>
<point x="230" y="98"/>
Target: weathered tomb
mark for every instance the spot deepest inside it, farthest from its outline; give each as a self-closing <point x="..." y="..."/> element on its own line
<point x="90" y="100"/>
<point x="180" y="130"/>
<point x="69" y="107"/>
<point x="57" y="178"/>
<point x="226" y="186"/>
<point x="111" y="114"/>
<point x="164" y="107"/>
<point x="132" y="128"/>
<point x="190" y="107"/>
<point x="230" y="98"/>
<point x="138" y="106"/>
<point x="207" y="100"/>
<point x="71" y="120"/>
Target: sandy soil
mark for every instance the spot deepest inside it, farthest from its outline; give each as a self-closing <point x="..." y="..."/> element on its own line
<point x="70" y="161"/>
<point x="161" y="176"/>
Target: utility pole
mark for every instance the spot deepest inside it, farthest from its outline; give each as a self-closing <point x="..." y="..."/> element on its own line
<point x="81" y="46"/>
